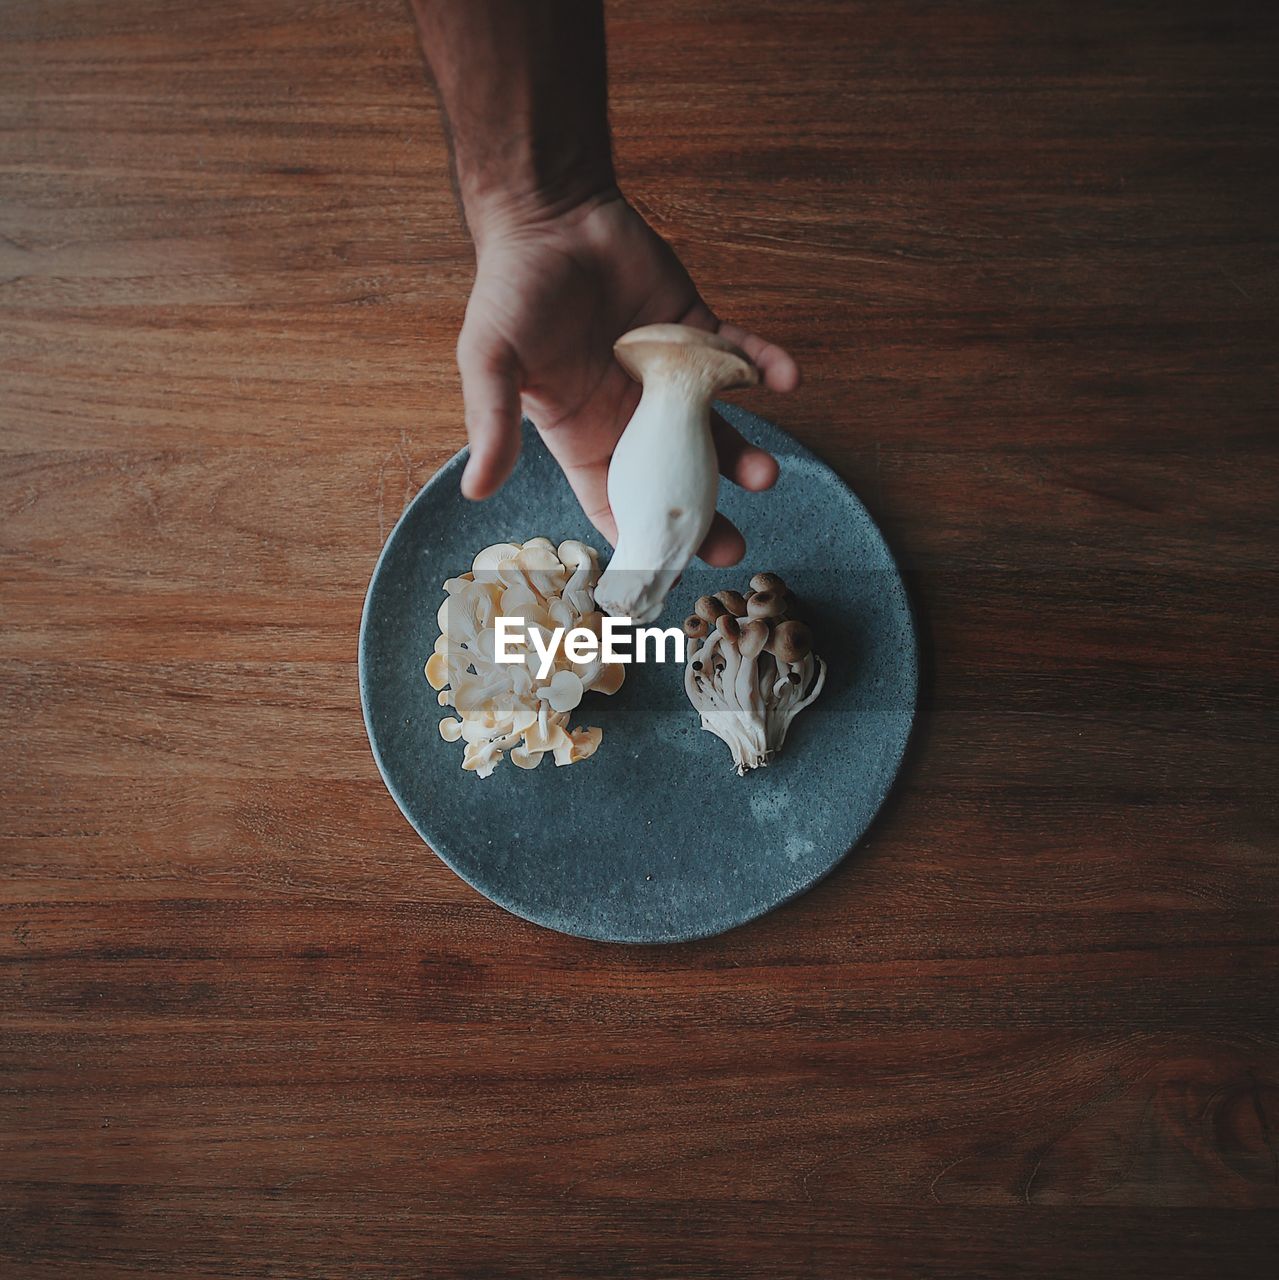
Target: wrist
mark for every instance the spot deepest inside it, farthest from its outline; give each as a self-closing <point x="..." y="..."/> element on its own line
<point x="529" y="200"/>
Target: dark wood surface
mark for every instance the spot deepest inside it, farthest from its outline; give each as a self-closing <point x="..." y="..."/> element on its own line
<point x="251" y="1027"/>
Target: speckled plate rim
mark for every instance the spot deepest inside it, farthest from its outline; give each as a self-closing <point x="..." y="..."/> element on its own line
<point x="910" y="658"/>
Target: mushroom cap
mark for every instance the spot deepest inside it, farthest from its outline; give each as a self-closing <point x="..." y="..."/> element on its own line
<point x="727" y="626"/>
<point x="754" y="636"/>
<point x="522" y="758"/>
<point x="708" y="608"/>
<point x="486" y="561"/>
<point x="564" y="692"/>
<point x="610" y="678"/>
<point x="733" y="601"/>
<point x="679" y="348"/>
<point x="766" y="603"/>
<point x="575" y="555"/>
<point x="581" y="745"/>
<point x="695" y="628"/>
<point x="791" y="641"/>
<point x="768" y="582"/>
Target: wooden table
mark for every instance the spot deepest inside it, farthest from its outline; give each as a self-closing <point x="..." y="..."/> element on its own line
<point x="1026" y="255"/>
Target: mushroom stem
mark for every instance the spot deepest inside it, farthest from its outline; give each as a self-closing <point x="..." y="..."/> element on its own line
<point x="729" y="699"/>
<point x="664" y="475"/>
<point x="717" y="711"/>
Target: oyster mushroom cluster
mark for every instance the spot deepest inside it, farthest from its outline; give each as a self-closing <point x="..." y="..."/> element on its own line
<point x="751" y="668"/>
<point x="505" y="707"/>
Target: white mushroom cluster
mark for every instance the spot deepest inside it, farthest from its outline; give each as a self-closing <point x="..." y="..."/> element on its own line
<point x="506" y="707"/>
<point x="751" y="668"/>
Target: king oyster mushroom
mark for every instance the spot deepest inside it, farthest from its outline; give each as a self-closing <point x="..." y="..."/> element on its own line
<point x="505" y="707"/>
<point x="664" y="476"/>
<point x="751" y="668"/>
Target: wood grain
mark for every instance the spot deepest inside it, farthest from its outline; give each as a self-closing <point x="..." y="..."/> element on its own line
<point x="1027" y="257"/>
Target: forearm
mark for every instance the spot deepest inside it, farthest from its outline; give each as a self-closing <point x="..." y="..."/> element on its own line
<point x="523" y="84"/>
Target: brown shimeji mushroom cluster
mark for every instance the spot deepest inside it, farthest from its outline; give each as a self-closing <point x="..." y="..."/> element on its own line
<point x="751" y="668"/>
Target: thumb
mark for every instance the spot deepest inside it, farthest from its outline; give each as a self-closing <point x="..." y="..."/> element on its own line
<point x="491" y="391"/>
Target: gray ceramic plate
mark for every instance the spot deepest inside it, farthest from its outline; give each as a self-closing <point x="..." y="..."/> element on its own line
<point x="655" y="838"/>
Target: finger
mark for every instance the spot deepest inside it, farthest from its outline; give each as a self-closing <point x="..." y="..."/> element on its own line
<point x="491" y="391"/>
<point x="723" y="544"/>
<point x="700" y="316"/>
<point x="589" y="482"/>
<point x="779" y="370"/>
<point x="743" y="463"/>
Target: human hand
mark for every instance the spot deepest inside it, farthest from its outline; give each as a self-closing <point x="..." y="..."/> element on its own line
<point x="552" y="294"/>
